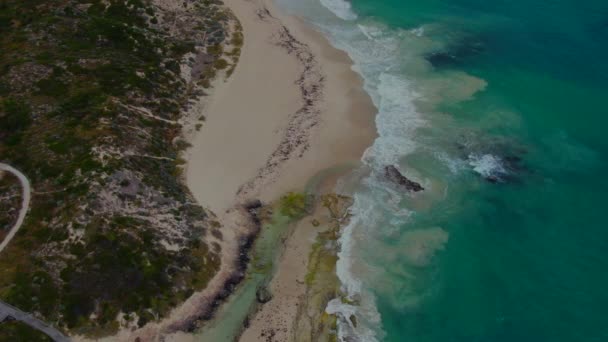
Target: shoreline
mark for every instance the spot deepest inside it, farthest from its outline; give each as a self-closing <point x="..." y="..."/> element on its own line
<point x="343" y="131"/>
<point x="306" y="110"/>
<point x="309" y="112"/>
<point x="267" y="128"/>
<point x="298" y="282"/>
<point x="292" y="108"/>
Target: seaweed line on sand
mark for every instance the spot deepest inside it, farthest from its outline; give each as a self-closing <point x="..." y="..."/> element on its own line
<point x="294" y="143"/>
<point x="295" y="140"/>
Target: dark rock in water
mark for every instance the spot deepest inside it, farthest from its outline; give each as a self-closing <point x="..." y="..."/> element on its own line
<point x="353" y="320"/>
<point x="395" y="176"/>
<point x="263" y="295"/>
<point x="493" y="179"/>
<point x="514" y="163"/>
<point x="441" y="58"/>
<point x="515" y="167"/>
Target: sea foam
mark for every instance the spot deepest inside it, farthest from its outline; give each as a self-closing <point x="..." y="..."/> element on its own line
<point x="374" y="50"/>
<point x="487" y="165"/>
<point x="378" y="54"/>
<point x="341" y="8"/>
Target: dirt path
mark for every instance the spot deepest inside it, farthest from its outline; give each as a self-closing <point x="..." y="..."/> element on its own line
<point x="25" y="203"/>
<point x="7" y="311"/>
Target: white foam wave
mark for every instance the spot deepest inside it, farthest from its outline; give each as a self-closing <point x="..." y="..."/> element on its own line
<point x="389" y="61"/>
<point x="370" y="31"/>
<point x="350" y="269"/>
<point x="344" y="312"/>
<point x="350" y="284"/>
<point x="375" y="51"/>
<point x="341" y="8"/>
<point x="379" y="54"/>
<point x="455" y="165"/>
<point x="419" y="31"/>
<point x="487" y="165"/>
<point x="396" y="122"/>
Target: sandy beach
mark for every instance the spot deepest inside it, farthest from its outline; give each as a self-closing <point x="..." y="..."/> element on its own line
<point x="292" y="108"/>
<point x="250" y="115"/>
<point x="265" y="83"/>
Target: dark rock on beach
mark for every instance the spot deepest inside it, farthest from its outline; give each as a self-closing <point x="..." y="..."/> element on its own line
<point x="393" y="174"/>
<point x="263" y="295"/>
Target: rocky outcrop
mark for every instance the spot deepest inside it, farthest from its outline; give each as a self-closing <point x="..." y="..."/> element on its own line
<point x="393" y="175"/>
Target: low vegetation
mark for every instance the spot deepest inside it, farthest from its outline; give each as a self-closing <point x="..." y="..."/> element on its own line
<point x="15" y="331"/>
<point x="293" y="205"/>
<point x="93" y="96"/>
<point x="10" y="202"/>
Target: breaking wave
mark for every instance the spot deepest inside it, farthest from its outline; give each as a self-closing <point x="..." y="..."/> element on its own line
<point x="341" y="8"/>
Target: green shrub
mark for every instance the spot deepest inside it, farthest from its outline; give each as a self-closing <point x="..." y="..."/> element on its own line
<point x="220" y="64"/>
<point x="18" y="331"/>
<point x="237" y="39"/>
<point x="15" y="118"/>
<point x="52" y="87"/>
<point x="293" y="205"/>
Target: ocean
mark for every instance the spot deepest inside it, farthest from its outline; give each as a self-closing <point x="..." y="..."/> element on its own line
<point x="498" y="109"/>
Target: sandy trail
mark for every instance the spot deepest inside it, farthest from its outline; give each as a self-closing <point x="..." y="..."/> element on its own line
<point x="25" y="202"/>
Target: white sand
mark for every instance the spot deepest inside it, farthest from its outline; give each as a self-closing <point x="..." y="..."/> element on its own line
<point x="247" y="119"/>
<point x="248" y="114"/>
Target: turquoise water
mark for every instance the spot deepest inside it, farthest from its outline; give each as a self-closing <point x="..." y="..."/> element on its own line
<point x="498" y="109"/>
